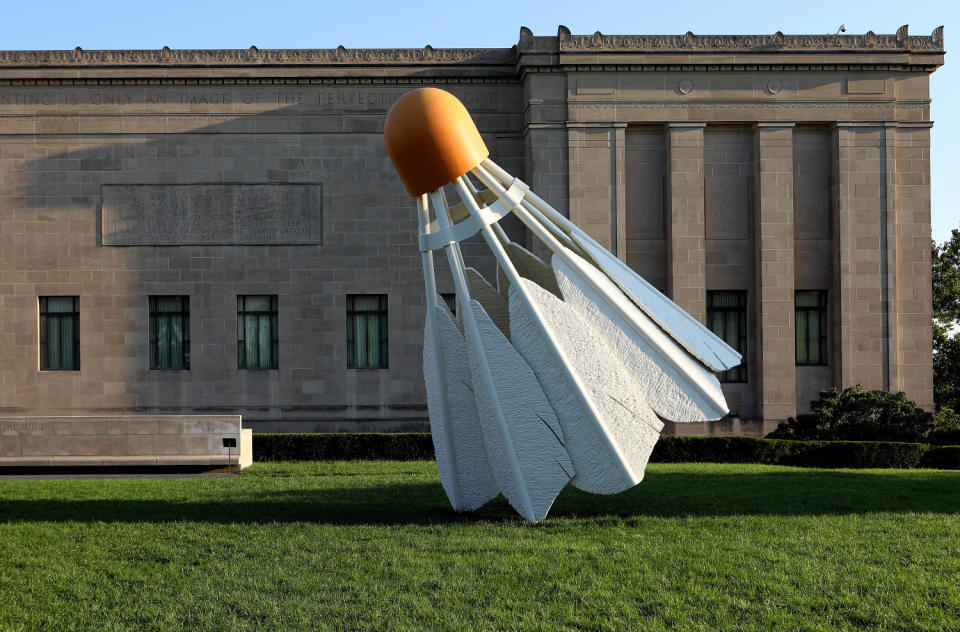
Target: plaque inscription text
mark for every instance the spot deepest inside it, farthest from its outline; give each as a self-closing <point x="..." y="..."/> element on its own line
<point x="211" y="214"/>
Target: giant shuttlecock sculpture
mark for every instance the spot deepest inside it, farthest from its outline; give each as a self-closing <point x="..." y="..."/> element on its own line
<point x="562" y="373"/>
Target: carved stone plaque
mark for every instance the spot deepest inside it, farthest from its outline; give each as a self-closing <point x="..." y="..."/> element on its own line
<point x="211" y="214"/>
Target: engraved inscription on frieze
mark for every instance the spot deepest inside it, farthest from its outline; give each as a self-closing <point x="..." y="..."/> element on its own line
<point x="211" y="214"/>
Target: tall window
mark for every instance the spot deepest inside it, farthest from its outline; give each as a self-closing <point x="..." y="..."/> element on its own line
<point x="366" y="331"/>
<point x="811" y="310"/>
<point x="727" y="317"/>
<point x="169" y="332"/>
<point x="257" y="339"/>
<point x="60" y="333"/>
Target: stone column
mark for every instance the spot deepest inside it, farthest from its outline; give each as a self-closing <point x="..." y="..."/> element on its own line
<point x="893" y="380"/>
<point x="597" y="154"/>
<point x="773" y="174"/>
<point x="685" y="225"/>
<point x="860" y="337"/>
<point x="913" y="293"/>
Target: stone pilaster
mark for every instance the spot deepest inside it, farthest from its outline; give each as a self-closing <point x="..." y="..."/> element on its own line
<point x="773" y="172"/>
<point x="861" y="341"/>
<point x="913" y="292"/>
<point x="685" y="225"/>
<point x="597" y="155"/>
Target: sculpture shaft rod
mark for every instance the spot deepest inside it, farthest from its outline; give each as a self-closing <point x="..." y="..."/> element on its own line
<point x="565" y="224"/>
<point x="430" y="282"/>
<point x="548" y="335"/>
<point x="473" y="335"/>
<point x="686" y="368"/>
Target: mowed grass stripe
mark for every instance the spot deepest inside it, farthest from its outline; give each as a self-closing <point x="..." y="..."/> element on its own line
<point x="375" y="546"/>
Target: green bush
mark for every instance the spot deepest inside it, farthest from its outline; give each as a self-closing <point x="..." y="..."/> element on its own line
<point x="946" y="429"/>
<point x="854" y="414"/>
<point x="832" y="454"/>
<point x="343" y="447"/>
<point x="945" y="457"/>
<point x="669" y="449"/>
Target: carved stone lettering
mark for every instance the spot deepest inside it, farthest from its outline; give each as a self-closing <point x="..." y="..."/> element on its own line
<point x="211" y="214"/>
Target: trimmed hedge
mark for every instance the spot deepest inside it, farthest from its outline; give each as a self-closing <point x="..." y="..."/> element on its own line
<point x="361" y="446"/>
<point x="669" y="449"/>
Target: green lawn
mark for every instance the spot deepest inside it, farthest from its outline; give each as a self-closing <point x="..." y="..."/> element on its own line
<point x="375" y="546"/>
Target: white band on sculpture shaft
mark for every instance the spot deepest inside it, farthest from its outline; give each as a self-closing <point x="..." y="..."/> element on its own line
<point x="439" y="234"/>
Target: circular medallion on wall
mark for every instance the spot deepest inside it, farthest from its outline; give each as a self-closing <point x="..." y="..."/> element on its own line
<point x="774" y="86"/>
<point x="685" y="86"/>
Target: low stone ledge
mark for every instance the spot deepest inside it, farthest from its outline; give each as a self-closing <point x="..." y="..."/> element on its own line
<point x="124" y="441"/>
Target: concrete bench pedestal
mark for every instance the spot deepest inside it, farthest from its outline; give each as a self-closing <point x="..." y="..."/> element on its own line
<point x="168" y="441"/>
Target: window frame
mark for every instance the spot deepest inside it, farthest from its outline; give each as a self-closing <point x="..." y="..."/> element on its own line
<point x="738" y="374"/>
<point x="272" y="314"/>
<point x="822" y="311"/>
<point x="382" y="314"/>
<point x="153" y="331"/>
<point x="45" y="317"/>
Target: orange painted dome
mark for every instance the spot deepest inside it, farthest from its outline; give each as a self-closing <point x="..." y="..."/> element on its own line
<point x="431" y="139"/>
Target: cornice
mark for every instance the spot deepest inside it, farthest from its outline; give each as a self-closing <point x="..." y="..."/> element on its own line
<point x="901" y="41"/>
<point x="254" y="56"/>
<point x="564" y="42"/>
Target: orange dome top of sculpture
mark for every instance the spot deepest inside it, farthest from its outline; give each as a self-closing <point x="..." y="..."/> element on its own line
<point x="431" y="139"/>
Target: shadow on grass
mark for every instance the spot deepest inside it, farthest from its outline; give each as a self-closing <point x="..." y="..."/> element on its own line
<point x="661" y="494"/>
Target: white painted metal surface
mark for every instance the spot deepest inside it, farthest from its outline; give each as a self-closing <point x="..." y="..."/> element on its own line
<point x="564" y="372"/>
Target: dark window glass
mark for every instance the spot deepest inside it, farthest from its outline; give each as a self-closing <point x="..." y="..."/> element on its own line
<point x="811" y="321"/>
<point x="727" y="317"/>
<point x="60" y="333"/>
<point x="366" y="331"/>
<point x="257" y="335"/>
<point x="169" y="332"/>
<point x="451" y="301"/>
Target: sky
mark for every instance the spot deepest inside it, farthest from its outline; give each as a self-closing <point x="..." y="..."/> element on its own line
<point x="112" y="24"/>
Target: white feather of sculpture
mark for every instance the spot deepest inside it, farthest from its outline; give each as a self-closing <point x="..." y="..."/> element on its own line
<point x="682" y="327"/>
<point x="454" y="425"/>
<point x="602" y="444"/>
<point x="675" y="385"/>
<point x="534" y="440"/>
<point x="522" y="437"/>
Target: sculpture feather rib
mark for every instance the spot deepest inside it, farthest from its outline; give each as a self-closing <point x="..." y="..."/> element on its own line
<point x="454" y="425"/>
<point x="566" y="371"/>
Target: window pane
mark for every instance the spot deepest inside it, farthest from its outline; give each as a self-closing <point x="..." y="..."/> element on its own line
<point x="727" y="318"/>
<point x="811" y="327"/>
<point x="257" y="332"/>
<point x="367" y="342"/>
<point x="59" y="328"/>
<point x="169" y="332"/>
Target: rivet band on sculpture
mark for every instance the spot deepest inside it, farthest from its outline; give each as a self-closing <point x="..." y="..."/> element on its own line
<point x="438" y="237"/>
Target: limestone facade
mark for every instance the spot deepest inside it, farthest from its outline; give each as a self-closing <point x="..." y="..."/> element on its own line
<point x="755" y="164"/>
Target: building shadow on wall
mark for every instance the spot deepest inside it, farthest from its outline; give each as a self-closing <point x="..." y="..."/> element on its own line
<point x="664" y="493"/>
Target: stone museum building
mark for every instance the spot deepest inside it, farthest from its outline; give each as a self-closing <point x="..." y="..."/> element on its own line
<point x="222" y="232"/>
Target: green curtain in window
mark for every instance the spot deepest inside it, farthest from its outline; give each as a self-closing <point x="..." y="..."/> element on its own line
<point x="811" y="322"/>
<point x="258" y="332"/>
<point x="170" y="332"/>
<point x="366" y="332"/>
<point x="60" y="332"/>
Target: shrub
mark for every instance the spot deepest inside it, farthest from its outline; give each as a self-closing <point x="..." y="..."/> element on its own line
<point x="946" y="457"/>
<point x="343" y="447"/>
<point x="946" y="429"/>
<point x="857" y="415"/>
<point x="833" y="454"/>
<point x="670" y="449"/>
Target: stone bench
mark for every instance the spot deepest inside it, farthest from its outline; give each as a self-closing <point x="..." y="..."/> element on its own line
<point x="195" y="441"/>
